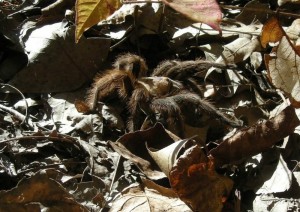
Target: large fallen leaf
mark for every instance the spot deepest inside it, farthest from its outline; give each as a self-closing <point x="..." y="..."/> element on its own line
<point x="204" y="11"/>
<point x="280" y="181"/>
<point x="90" y="12"/>
<point x="195" y="181"/>
<point x="283" y="66"/>
<point x="257" y="138"/>
<point x="56" y="64"/>
<point x="148" y="197"/>
<point x="38" y="193"/>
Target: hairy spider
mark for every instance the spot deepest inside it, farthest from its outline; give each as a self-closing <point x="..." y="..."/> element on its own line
<point x="171" y="95"/>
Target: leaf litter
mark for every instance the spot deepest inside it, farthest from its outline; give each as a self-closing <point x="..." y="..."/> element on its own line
<point x="60" y="155"/>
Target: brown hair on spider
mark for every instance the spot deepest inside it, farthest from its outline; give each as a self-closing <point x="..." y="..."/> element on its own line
<point x="118" y="82"/>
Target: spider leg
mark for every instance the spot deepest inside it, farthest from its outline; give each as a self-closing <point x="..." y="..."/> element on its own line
<point x="110" y="86"/>
<point x="198" y="112"/>
<point x="190" y="73"/>
<point x="167" y="112"/>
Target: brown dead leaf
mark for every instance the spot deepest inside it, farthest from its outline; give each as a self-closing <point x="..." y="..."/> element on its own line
<point x="283" y="66"/>
<point x="38" y="193"/>
<point x="55" y="63"/>
<point x="204" y="11"/>
<point x="90" y="12"/>
<point x="132" y="146"/>
<point x="272" y="32"/>
<point x="81" y="106"/>
<point x="195" y="181"/>
<point x="239" y="50"/>
<point x="257" y="138"/>
<point x="165" y="158"/>
<point x="252" y="11"/>
<point x="148" y="197"/>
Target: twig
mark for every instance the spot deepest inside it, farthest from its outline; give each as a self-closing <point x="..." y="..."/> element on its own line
<point x="38" y="137"/>
<point x="268" y="11"/>
<point x="16" y="113"/>
<point x="119" y="160"/>
<point x="48" y="166"/>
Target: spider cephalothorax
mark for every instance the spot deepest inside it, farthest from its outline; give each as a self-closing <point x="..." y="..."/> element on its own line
<point x="170" y="95"/>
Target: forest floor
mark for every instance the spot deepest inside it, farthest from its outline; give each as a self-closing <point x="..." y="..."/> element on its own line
<point x="195" y="118"/>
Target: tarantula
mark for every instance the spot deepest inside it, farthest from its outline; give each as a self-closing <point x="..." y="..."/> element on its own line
<point x="168" y="96"/>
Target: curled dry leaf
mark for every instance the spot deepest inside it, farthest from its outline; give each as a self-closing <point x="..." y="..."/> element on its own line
<point x="283" y="66"/>
<point x="257" y="138"/>
<point x="166" y="157"/>
<point x="204" y="11"/>
<point x="148" y="197"/>
<point x="132" y="146"/>
<point x="195" y="181"/>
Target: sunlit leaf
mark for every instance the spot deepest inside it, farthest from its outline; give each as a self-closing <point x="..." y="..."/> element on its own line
<point x="90" y="12"/>
<point x="204" y="11"/>
<point x="284" y="69"/>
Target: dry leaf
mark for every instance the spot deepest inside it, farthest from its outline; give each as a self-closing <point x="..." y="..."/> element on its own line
<point x="56" y="64"/>
<point x="204" y="11"/>
<point x="257" y="138"/>
<point x="239" y="50"/>
<point x="195" y="181"/>
<point x="132" y="146"/>
<point x="38" y="193"/>
<point x="166" y="157"/>
<point x="252" y="11"/>
<point x="90" y="12"/>
<point x="280" y="181"/>
<point x="282" y="2"/>
<point x="272" y="32"/>
<point x="148" y="197"/>
<point x="283" y="66"/>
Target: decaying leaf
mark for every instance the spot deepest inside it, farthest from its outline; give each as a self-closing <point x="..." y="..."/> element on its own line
<point x="204" y="11"/>
<point x="38" y="193"/>
<point x="284" y="68"/>
<point x="165" y="158"/>
<point x="90" y="12"/>
<point x="195" y="181"/>
<point x="257" y="138"/>
<point x="148" y="197"/>
<point x="272" y="32"/>
<point x="132" y="146"/>
<point x="56" y="64"/>
<point x="239" y="50"/>
<point x="280" y="181"/>
<point x="252" y="11"/>
<point x="282" y="2"/>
